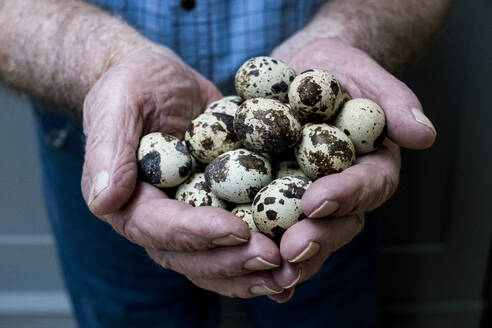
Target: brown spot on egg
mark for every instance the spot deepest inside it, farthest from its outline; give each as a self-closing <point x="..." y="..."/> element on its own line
<point x="334" y="87"/>
<point x="280" y="87"/>
<point x="347" y="132"/>
<point x="271" y="215"/>
<point x="166" y="137"/>
<point x="293" y="191"/>
<point x="269" y="200"/>
<point x="251" y="162"/>
<point x="202" y="186"/>
<point x="185" y="170"/>
<point x="254" y="72"/>
<point x="276" y="132"/>
<point x="260" y="207"/>
<point x="150" y="167"/>
<point x="218" y="169"/>
<point x="322" y="162"/>
<point x="252" y="191"/>
<point x="309" y="91"/>
<point x="207" y="143"/>
<point x="228" y="120"/>
<point x="278" y="231"/>
<point x="336" y="147"/>
<point x="281" y="201"/>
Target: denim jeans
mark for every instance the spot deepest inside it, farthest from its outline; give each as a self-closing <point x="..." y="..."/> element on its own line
<point x="113" y="283"/>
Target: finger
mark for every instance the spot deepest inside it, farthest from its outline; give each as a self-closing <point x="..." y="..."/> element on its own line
<point x="151" y="220"/>
<point x="310" y="237"/>
<point x="307" y="244"/>
<point x="246" y="286"/>
<point x="364" y="77"/>
<point x="288" y="275"/>
<point x="284" y="296"/>
<point x="208" y="90"/>
<point x="110" y="169"/>
<point x="260" y="253"/>
<point x="360" y="188"/>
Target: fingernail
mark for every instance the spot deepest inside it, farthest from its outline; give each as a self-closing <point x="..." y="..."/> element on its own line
<point x="281" y="301"/>
<point x="311" y="249"/>
<point x="328" y="207"/>
<point x="258" y="263"/>
<point x="296" y="280"/>
<point x="229" y="240"/>
<point x="99" y="183"/>
<point x="263" y="290"/>
<point x="421" y="118"/>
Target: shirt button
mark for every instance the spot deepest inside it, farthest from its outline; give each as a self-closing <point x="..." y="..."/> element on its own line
<point x="188" y="4"/>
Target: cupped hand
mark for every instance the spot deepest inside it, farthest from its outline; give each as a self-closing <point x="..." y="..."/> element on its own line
<point x="148" y="90"/>
<point x="341" y="199"/>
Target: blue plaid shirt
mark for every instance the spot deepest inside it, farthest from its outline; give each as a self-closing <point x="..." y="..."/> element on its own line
<point x="216" y="36"/>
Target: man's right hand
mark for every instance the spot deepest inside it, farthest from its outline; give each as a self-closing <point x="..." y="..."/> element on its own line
<point x="148" y="90"/>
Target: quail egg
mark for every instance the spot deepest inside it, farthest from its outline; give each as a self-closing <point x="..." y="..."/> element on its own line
<point x="163" y="160"/>
<point x="209" y="135"/>
<point x="277" y="206"/>
<point x="314" y="95"/>
<point x="364" y="122"/>
<point x="264" y="77"/>
<point x="227" y="105"/>
<point x="323" y="150"/>
<point x="266" y="125"/>
<point x="245" y="212"/>
<point x="288" y="168"/>
<point x="195" y="191"/>
<point x="237" y="175"/>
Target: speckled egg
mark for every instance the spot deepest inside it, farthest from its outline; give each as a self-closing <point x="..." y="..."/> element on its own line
<point x="264" y="77"/>
<point x="314" y="95"/>
<point x="196" y="192"/>
<point x="227" y="105"/>
<point x="277" y="206"/>
<point x="245" y="212"/>
<point x="364" y="122"/>
<point x="288" y="168"/>
<point x="237" y="175"/>
<point x="211" y="134"/>
<point x="323" y="150"/>
<point x="266" y="125"/>
<point x="163" y="160"/>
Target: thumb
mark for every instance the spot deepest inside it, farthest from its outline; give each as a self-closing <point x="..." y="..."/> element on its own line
<point x="208" y="90"/>
<point x="110" y="169"/>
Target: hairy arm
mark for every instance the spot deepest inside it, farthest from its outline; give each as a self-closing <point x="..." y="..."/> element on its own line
<point x="57" y="49"/>
<point x="392" y="32"/>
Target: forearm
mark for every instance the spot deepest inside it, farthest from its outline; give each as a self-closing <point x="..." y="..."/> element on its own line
<point x="391" y="31"/>
<point x="57" y="49"/>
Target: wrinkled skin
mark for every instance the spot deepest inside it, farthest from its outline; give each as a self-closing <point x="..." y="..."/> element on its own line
<point x="153" y="90"/>
<point x="370" y="181"/>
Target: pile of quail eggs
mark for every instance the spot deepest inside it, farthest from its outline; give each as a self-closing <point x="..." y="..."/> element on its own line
<point x="256" y="153"/>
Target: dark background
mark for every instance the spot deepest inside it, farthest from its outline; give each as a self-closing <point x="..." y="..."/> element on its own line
<point x="436" y="230"/>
